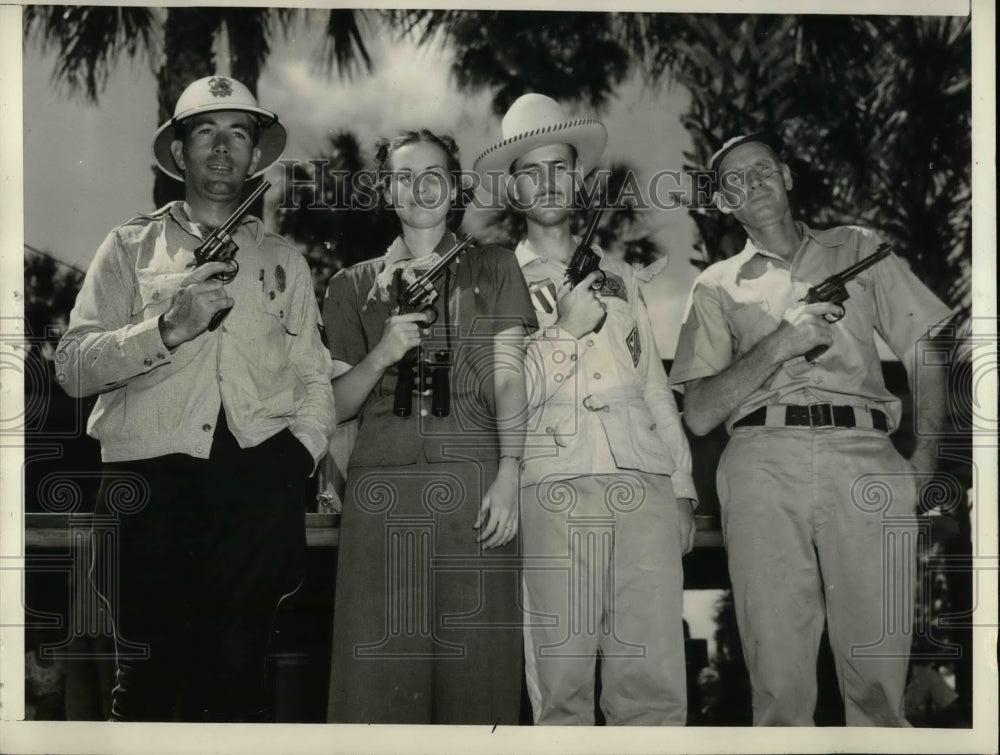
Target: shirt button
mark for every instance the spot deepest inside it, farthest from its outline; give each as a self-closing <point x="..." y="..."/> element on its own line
<point x="198" y="449"/>
<point x="423" y="412"/>
<point x="148" y="362"/>
<point x="572" y="357"/>
<point x="156" y="296"/>
<point x="590" y="341"/>
<point x="652" y="426"/>
<point x="558" y="378"/>
<point x="559" y="357"/>
<point x="206" y="427"/>
<point x="597" y="376"/>
<point x="549" y="430"/>
<point x="161" y="355"/>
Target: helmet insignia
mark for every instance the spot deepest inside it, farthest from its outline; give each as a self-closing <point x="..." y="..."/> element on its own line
<point x="219" y="86"/>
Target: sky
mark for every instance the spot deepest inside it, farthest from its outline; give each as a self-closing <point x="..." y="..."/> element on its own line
<point x="87" y="168"/>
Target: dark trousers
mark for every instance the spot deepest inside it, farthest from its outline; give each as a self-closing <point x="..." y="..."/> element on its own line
<point x="205" y="550"/>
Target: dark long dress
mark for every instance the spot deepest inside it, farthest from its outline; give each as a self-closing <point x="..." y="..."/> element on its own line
<point x="427" y="625"/>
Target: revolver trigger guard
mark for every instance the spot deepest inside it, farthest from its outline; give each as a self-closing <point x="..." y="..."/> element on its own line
<point x="599" y="283"/>
<point x="226" y="277"/>
<point x="833" y="318"/>
<point x="432" y="315"/>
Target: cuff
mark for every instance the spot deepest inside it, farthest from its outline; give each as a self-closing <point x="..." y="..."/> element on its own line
<point x="314" y="439"/>
<point x="683" y="486"/>
<point x="144" y="345"/>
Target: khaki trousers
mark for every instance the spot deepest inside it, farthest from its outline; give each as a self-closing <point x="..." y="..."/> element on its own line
<point x="819" y="525"/>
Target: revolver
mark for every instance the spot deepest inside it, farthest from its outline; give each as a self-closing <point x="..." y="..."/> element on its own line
<point x="586" y="261"/>
<point x="833" y="290"/>
<point x="421" y="295"/>
<point x="219" y="246"/>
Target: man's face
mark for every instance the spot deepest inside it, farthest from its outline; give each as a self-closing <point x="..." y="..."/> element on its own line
<point x="543" y="184"/>
<point x="420" y="188"/>
<point x="217" y="155"/>
<point x="754" y="184"/>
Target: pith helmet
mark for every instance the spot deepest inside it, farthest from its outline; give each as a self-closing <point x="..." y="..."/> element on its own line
<point x="214" y="93"/>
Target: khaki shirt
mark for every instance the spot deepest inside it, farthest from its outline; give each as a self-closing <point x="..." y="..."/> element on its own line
<point x="737" y="302"/>
<point x="599" y="404"/>
<point x="481" y="296"/>
<point x="265" y="364"/>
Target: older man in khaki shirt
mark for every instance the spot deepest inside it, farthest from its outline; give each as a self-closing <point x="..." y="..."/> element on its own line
<point x="817" y="505"/>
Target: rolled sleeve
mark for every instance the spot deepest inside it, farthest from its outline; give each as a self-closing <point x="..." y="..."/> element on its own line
<point x="704" y="347"/>
<point x="341" y="321"/>
<point x="905" y="309"/>
<point x="512" y="306"/>
<point x="101" y="350"/>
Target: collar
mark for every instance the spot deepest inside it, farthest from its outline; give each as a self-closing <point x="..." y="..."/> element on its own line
<point x="399" y="251"/>
<point x="526" y="254"/>
<point x="178" y="212"/>
<point x="751" y="250"/>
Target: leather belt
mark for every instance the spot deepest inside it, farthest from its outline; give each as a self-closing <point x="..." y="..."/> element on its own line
<point x="815" y="415"/>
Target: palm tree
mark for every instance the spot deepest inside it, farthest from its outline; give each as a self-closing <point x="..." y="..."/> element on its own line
<point x="90" y="41"/>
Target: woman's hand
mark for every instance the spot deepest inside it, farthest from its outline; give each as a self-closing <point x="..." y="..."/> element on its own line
<point x="498" y="513"/>
<point x="401" y="333"/>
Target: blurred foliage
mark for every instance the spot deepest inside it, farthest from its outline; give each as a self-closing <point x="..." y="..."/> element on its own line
<point x="50" y="290"/>
<point x="325" y="209"/>
<point x="875" y="111"/>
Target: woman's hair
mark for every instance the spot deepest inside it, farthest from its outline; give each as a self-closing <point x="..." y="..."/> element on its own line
<point x="384" y="149"/>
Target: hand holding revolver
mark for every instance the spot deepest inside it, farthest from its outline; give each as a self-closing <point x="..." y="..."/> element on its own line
<point x="580" y="310"/>
<point x="197" y="301"/>
<point x="833" y="290"/>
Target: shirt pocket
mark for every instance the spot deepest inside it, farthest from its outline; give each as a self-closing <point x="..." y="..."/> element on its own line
<point x="749" y="323"/>
<point x="859" y="311"/>
<point x="280" y="315"/>
<point x="634" y="439"/>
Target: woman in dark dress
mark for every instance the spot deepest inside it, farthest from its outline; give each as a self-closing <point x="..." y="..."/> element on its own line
<point x="427" y="626"/>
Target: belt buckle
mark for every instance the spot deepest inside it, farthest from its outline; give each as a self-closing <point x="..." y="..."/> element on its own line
<point x="821" y="415"/>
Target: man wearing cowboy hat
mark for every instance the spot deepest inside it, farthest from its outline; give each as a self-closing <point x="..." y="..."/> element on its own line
<point x="208" y="436"/>
<point x="606" y="490"/>
<point x="817" y="505"/>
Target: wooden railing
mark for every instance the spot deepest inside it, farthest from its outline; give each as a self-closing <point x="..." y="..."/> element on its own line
<point x="322" y="530"/>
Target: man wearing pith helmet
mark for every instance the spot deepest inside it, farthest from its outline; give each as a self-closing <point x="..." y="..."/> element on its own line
<point x="209" y="432"/>
<point x="817" y="504"/>
<point x="607" y="496"/>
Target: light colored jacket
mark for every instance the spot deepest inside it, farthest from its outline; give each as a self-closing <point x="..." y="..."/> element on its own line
<point x="599" y="404"/>
<point x="266" y="363"/>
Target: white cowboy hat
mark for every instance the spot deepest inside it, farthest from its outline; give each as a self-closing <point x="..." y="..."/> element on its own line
<point x="214" y="93"/>
<point x="533" y="121"/>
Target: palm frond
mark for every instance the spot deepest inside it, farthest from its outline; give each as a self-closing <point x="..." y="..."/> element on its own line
<point x="344" y="49"/>
<point x="89" y="41"/>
